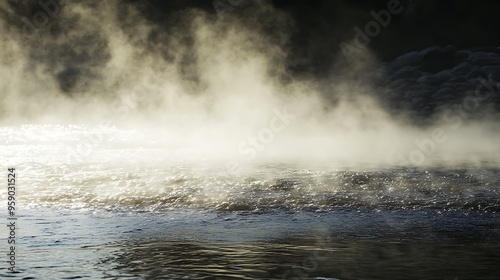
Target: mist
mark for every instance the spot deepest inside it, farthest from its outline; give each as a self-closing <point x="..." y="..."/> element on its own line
<point x="215" y="85"/>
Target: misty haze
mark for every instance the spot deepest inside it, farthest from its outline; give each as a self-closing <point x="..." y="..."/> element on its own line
<point x="238" y="139"/>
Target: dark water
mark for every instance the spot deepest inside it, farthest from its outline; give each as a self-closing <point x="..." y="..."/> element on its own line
<point x="305" y="259"/>
<point x="346" y="243"/>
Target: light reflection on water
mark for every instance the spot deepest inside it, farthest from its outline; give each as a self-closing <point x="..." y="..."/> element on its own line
<point x="128" y="213"/>
<point x="126" y="172"/>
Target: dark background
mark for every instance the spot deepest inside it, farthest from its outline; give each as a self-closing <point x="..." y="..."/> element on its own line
<point x="315" y="29"/>
<point x="321" y="25"/>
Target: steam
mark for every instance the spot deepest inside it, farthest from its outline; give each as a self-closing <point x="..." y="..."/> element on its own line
<point x="215" y="86"/>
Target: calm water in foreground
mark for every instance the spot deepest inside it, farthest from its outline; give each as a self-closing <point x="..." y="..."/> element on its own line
<point x="187" y="244"/>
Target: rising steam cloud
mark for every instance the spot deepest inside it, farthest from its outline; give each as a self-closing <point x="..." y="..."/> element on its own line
<point x="215" y="85"/>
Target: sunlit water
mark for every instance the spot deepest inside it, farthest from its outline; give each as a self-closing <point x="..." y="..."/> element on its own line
<point x="127" y="207"/>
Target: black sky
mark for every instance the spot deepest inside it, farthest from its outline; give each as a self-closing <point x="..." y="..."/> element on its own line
<point x="316" y="30"/>
<point x="321" y="25"/>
